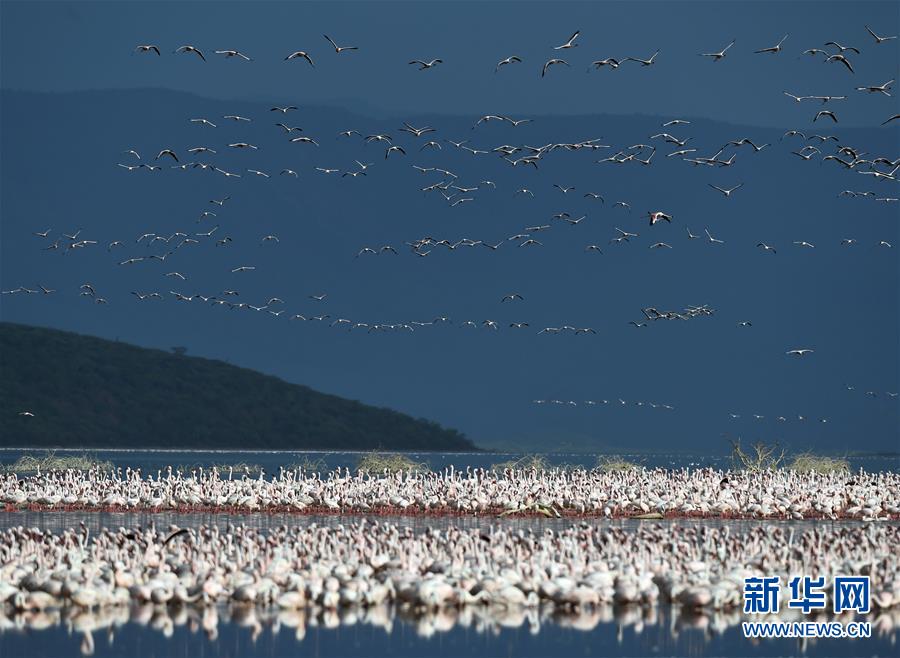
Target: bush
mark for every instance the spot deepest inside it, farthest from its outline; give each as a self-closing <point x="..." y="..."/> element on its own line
<point x="50" y="461"/>
<point x="611" y="463"/>
<point x="760" y="457"/>
<point x="307" y="464"/>
<point x="524" y="463"/>
<point x="375" y="463"/>
<point x="536" y="462"/>
<point x="807" y="462"/>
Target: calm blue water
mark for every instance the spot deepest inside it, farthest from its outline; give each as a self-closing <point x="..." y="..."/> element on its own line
<point x="178" y="633"/>
<point x="272" y="460"/>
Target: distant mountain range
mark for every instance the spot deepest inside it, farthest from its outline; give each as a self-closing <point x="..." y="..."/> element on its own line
<point x="89" y="392"/>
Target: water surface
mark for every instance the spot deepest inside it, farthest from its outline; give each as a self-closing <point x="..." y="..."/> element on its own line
<point x="148" y="632"/>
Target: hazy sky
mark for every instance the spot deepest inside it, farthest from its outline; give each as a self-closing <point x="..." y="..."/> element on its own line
<point x="52" y="46"/>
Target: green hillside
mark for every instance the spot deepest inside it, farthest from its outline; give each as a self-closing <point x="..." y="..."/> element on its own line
<point x="90" y="392"/>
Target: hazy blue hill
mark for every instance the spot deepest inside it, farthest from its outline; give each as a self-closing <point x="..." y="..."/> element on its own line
<point x="59" y="155"/>
<point x="86" y="391"/>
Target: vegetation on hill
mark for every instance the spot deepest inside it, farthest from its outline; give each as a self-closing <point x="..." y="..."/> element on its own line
<point x="95" y="393"/>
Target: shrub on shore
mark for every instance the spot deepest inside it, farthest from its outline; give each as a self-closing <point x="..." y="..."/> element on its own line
<point x="763" y="457"/>
<point x="525" y="462"/>
<point x="807" y="462"/>
<point x="307" y="464"/>
<point x="760" y="457"/>
<point x="376" y="462"/>
<point x="50" y="460"/>
<point x="612" y="463"/>
<point x="536" y="461"/>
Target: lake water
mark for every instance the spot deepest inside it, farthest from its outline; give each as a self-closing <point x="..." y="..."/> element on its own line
<point x="272" y="460"/>
<point x="151" y="632"/>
